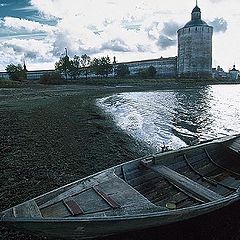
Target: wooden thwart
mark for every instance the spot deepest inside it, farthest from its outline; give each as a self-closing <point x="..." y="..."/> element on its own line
<point x="73" y="207"/>
<point x="106" y="197"/>
<point x="185" y="183"/>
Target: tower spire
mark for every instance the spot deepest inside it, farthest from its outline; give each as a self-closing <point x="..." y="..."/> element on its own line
<point x="196" y="2"/>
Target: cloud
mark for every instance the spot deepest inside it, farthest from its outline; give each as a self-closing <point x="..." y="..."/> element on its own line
<point x="216" y="1"/>
<point x="219" y="25"/>
<point x="163" y="34"/>
<point x="3" y="4"/>
<point x="116" y="45"/>
<point x="25" y="25"/>
<point x="165" y="42"/>
<point x="170" y="28"/>
<point x="15" y="50"/>
<point x="127" y="29"/>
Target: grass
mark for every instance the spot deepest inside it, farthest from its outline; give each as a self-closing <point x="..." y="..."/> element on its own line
<point x="169" y="82"/>
<point x="9" y="83"/>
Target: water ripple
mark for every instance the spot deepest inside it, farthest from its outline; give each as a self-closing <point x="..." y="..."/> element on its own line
<point x="177" y="117"/>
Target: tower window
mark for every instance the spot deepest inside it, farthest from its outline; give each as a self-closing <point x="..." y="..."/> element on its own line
<point x="189" y="29"/>
<point x="196" y="29"/>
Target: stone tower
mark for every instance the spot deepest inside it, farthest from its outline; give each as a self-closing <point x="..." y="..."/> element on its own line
<point x="195" y="47"/>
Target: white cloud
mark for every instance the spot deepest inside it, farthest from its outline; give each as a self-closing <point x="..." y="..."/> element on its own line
<point x="18" y="24"/>
<point x="130" y="30"/>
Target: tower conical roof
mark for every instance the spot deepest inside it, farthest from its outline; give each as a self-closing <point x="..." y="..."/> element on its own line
<point x="196" y="9"/>
<point x="196" y="18"/>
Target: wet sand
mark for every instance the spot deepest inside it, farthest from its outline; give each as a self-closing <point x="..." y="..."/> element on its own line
<point x="51" y="136"/>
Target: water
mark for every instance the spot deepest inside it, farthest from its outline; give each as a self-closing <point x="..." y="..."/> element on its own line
<point x="176" y="117"/>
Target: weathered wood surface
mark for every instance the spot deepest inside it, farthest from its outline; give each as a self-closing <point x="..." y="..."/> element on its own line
<point x="73" y="207"/>
<point x="106" y="197"/>
<point x="76" y="189"/>
<point x="136" y="195"/>
<point x="186" y="183"/>
<point x="27" y="209"/>
<point x="124" y="194"/>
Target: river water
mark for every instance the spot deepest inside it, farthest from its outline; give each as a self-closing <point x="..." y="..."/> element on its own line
<point x="177" y="118"/>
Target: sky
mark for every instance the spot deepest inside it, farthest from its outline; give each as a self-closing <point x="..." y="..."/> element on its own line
<point x="38" y="31"/>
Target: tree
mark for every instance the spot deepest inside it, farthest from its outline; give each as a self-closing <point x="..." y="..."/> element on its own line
<point x="16" y="72"/>
<point x="85" y="63"/>
<point x="151" y="72"/>
<point x="75" y="67"/>
<point x="95" y="66"/>
<point x="142" y="73"/>
<point x="122" y="70"/>
<point x="51" y="78"/>
<point x="64" y="65"/>
<point x="101" y="66"/>
<point x="105" y="66"/>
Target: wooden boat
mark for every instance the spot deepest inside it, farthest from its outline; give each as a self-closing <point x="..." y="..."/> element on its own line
<point x="147" y="192"/>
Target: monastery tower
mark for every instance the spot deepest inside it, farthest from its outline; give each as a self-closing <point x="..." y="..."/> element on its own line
<point x="195" y="47"/>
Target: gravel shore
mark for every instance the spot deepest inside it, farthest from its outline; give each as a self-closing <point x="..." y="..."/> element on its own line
<point x="51" y="136"/>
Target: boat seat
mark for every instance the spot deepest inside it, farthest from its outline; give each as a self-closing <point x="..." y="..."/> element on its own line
<point x="123" y="194"/>
<point x="73" y="207"/>
<point x="184" y="183"/>
<point x="27" y="209"/>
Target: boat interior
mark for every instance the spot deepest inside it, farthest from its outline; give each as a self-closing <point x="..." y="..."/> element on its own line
<point x="187" y="178"/>
<point x="163" y="182"/>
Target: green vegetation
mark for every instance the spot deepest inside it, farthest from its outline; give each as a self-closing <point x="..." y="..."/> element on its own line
<point x="64" y="66"/>
<point x="101" y="66"/>
<point x="77" y="66"/>
<point x="16" y="72"/>
<point x="52" y="78"/>
<point x="9" y="83"/>
<point x="85" y="62"/>
<point x="122" y="70"/>
<point x="150" y="72"/>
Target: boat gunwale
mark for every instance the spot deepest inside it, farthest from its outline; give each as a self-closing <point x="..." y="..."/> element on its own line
<point x="226" y="201"/>
<point x="230" y="198"/>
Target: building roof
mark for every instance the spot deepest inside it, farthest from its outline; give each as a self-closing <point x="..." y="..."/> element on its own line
<point x="150" y="60"/>
<point x="196" y="22"/>
<point x="196" y="18"/>
<point x="234" y="69"/>
<point x="196" y="9"/>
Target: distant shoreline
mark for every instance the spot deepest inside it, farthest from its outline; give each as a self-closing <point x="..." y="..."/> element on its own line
<point x="131" y="82"/>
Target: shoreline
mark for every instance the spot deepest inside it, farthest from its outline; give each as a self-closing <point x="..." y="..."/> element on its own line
<point x="53" y="139"/>
<point x="54" y="135"/>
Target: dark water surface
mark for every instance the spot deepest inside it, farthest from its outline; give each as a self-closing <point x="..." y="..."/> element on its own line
<point x="177" y="117"/>
<point x="180" y="118"/>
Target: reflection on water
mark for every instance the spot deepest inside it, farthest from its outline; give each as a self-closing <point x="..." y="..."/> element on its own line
<point x="176" y="117"/>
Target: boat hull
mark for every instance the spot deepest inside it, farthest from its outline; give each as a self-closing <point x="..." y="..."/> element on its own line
<point x="81" y="228"/>
<point x="133" y="196"/>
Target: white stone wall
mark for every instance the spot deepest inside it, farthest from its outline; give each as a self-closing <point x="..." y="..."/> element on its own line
<point x="165" y="67"/>
<point x="195" y="51"/>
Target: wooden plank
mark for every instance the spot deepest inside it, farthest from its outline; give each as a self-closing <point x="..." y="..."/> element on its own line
<point x="27" y="209"/>
<point x="233" y="150"/>
<point x="124" y="194"/>
<point x="76" y="189"/>
<point x="186" y="184"/>
<point x="123" y="173"/>
<point x="91" y="202"/>
<point x="106" y="197"/>
<point x="56" y="210"/>
<point x="73" y="207"/>
<point x="220" y="166"/>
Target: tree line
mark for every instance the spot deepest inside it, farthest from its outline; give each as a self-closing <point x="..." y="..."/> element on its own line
<point x="81" y="66"/>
